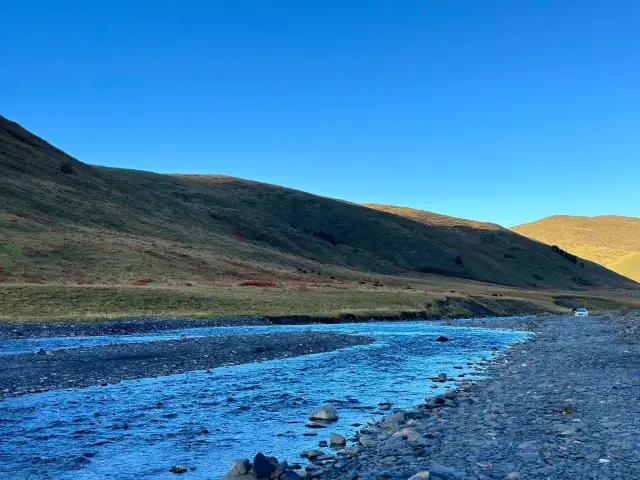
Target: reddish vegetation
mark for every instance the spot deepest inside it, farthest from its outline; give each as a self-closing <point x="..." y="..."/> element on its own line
<point x="83" y="281"/>
<point x="142" y="282"/>
<point x="257" y="283"/>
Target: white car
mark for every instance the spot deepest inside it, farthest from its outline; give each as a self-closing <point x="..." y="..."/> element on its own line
<point x="582" y="312"/>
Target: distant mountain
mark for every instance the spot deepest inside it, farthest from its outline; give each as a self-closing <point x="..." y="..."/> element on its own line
<point x="612" y="241"/>
<point x="62" y="220"/>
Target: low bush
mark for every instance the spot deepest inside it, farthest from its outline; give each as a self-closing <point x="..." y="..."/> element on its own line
<point x="67" y="168"/>
<point x="569" y="256"/>
<point x="257" y="283"/>
<point x="327" y="237"/>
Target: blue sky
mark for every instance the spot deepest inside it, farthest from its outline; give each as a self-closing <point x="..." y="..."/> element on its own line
<point x="494" y="110"/>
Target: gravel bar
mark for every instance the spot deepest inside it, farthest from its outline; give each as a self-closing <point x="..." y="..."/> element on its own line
<point x="130" y="326"/>
<point x="109" y="364"/>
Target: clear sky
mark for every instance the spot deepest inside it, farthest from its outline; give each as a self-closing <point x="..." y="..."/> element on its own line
<point x="505" y="111"/>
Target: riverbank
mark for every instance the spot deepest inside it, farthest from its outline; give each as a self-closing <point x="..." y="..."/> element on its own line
<point x="110" y="364"/>
<point x="561" y="405"/>
<point x="389" y="298"/>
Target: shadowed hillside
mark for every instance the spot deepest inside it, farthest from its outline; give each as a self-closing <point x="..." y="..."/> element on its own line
<point x="65" y="221"/>
<point x="612" y="241"/>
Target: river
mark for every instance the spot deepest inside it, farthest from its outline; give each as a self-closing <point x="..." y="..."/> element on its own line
<point x="205" y="419"/>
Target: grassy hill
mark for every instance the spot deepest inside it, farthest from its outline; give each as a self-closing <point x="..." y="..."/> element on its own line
<point x="612" y="241"/>
<point x="63" y="221"/>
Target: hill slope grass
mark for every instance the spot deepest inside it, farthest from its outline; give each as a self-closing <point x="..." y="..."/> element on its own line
<point x="611" y="241"/>
<point x="63" y="222"/>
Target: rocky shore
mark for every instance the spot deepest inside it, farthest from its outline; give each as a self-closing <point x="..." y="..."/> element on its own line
<point x="109" y="364"/>
<point x="563" y="405"/>
<point x="132" y="326"/>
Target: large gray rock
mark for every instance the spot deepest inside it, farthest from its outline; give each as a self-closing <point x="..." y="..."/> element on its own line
<point x="326" y="412"/>
<point x="262" y="466"/>
<point x="290" y="475"/>
<point x="280" y="469"/>
<point x="445" y="473"/>
<point x="240" y="466"/>
<point x="246" y="476"/>
<point x="337" y="440"/>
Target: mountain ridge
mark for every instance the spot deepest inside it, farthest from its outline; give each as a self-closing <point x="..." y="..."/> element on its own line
<point x="66" y="221"/>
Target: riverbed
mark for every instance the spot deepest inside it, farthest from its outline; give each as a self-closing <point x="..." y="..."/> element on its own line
<point x="203" y="419"/>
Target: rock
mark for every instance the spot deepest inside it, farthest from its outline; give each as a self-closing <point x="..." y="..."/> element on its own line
<point x="325" y="412"/>
<point x="290" y="475"/>
<point x="246" y="476"/>
<point x="366" y="440"/>
<point x="311" y="454"/>
<point x="442" y="376"/>
<point x="419" y="476"/>
<point x="240" y="466"/>
<point x="445" y="473"/>
<point x="178" y="469"/>
<point x="433" y="385"/>
<point x="337" y="440"/>
<point x="280" y="469"/>
<point x="315" y="425"/>
<point x="261" y="466"/>
<point x="397" y="417"/>
<point x="442" y="338"/>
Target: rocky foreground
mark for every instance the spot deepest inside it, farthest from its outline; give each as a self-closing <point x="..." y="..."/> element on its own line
<point x="563" y="405"/>
<point x="110" y="364"/>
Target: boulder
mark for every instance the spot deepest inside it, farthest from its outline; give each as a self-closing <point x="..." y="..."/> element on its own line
<point x="325" y="412"/>
<point x="240" y="467"/>
<point x="337" y="440"/>
<point x="290" y="475"/>
<point x="420" y="476"/>
<point x="311" y="454"/>
<point x="445" y="473"/>
<point x="398" y="417"/>
<point x="442" y="338"/>
<point x="246" y="476"/>
<point x="178" y="469"/>
<point x="442" y="376"/>
<point x="261" y="466"/>
<point x="280" y="469"/>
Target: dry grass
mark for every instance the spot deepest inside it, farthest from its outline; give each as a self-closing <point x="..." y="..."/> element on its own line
<point x="95" y="225"/>
<point x="97" y="302"/>
<point x="611" y="241"/>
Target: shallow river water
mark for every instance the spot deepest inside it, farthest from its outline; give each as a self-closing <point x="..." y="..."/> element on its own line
<point x="204" y="420"/>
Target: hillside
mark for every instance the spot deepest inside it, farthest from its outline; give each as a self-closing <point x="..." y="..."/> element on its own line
<point x="612" y="241"/>
<point x="63" y="221"/>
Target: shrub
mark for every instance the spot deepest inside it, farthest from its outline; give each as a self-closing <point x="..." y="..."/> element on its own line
<point x="569" y="256"/>
<point x="510" y="256"/>
<point x="67" y="168"/>
<point x="537" y="276"/>
<point x="327" y="237"/>
<point x="257" y="283"/>
<point x="459" y="261"/>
